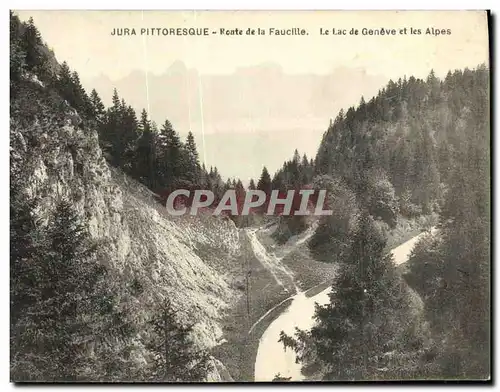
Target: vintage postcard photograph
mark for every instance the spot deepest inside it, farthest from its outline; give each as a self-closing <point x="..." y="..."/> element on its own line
<point x="249" y="196"/>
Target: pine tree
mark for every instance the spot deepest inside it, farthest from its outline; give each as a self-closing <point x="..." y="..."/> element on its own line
<point x="452" y="273"/>
<point x="216" y="184"/>
<point x="98" y="109"/>
<point x="307" y="171"/>
<point x="305" y="161"/>
<point x="264" y="183"/>
<point x="119" y="135"/>
<point x="64" y="83"/>
<point x="240" y="194"/>
<point x="115" y="101"/>
<point x="128" y="136"/>
<point x="362" y="111"/>
<point x="17" y="52"/>
<point x="368" y="315"/>
<point x="279" y="182"/>
<point x="204" y="179"/>
<point x="109" y="132"/>
<point x="170" y="156"/>
<point x="430" y="179"/>
<point x="24" y="240"/>
<point x="191" y="161"/>
<point x="251" y="186"/>
<point x="294" y="171"/>
<point x="81" y="102"/>
<point x="32" y="42"/>
<point x="145" y="168"/>
<point x="62" y="310"/>
<point x="434" y="87"/>
<point x="175" y="356"/>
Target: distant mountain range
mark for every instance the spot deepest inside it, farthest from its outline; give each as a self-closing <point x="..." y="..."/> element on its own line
<point x="254" y="100"/>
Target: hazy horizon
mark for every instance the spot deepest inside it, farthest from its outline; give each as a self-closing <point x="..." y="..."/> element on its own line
<point x="234" y="132"/>
<point x="251" y="101"/>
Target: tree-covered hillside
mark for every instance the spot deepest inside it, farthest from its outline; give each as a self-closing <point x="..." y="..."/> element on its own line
<point x="418" y="147"/>
<point x="399" y="152"/>
<point x="412" y="133"/>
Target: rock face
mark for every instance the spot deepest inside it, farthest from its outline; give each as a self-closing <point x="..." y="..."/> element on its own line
<point x="219" y="372"/>
<point x="186" y="259"/>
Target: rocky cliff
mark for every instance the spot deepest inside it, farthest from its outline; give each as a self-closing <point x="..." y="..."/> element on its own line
<point x="190" y="260"/>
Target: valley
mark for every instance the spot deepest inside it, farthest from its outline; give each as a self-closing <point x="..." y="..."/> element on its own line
<point x="108" y="285"/>
<point x="281" y="284"/>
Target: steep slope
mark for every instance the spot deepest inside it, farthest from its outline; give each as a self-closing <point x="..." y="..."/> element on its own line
<point x="410" y="135"/>
<point x="187" y="260"/>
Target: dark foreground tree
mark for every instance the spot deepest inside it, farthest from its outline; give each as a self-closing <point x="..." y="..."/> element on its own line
<point x="61" y="304"/>
<point x="368" y="326"/>
<point x="176" y="359"/>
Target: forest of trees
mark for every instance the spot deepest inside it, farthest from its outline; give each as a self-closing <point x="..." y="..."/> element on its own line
<point x="417" y="147"/>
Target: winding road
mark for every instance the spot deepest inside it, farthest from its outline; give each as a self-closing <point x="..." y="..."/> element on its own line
<point x="271" y="357"/>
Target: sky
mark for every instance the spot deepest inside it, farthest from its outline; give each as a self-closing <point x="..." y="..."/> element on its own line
<point x="84" y="40"/>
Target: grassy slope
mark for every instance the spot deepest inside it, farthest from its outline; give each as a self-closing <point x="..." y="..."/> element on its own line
<point x="239" y="352"/>
<point x="308" y="271"/>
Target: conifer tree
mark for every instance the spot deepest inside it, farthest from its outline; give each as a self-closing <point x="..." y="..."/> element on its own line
<point x="128" y="136"/>
<point x="240" y="194"/>
<point x="62" y="310"/>
<point x="204" y="180"/>
<point x="80" y="101"/>
<point x="451" y="272"/>
<point x="17" y="51"/>
<point x="120" y="133"/>
<point x="216" y="184"/>
<point x="32" y="42"/>
<point x="368" y="315"/>
<point x="170" y="155"/>
<point x="115" y="101"/>
<point x="307" y="171"/>
<point x="279" y="182"/>
<point x="64" y="83"/>
<point x="146" y="152"/>
<point x="98" y="109"/>
<point x="252" y="186"/>
<point x="191" y="161"/>
<point x="264" y="183"/>
<point x="175" y="356"/>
